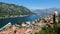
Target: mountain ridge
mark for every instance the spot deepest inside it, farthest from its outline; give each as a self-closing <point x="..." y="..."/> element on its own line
<point x="12" y="9"/>
<point x="47" y="11"/>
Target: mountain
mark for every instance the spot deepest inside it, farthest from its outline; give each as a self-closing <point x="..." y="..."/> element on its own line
<point x="12" y="9"/>
<point x="47" y="11"/>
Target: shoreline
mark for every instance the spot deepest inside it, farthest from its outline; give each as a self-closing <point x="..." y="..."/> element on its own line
<point x="13" y="16"/>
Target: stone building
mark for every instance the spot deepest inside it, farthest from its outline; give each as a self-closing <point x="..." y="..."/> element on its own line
<point x="55" y="17"/>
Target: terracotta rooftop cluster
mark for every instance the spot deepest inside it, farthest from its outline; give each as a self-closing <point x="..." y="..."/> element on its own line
<point x="16" y="30"/>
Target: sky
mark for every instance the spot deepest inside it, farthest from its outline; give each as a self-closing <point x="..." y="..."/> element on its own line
<point x="35" y="4"/>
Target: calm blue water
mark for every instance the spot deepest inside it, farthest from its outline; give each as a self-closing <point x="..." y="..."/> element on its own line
<point x="18" y="19"/>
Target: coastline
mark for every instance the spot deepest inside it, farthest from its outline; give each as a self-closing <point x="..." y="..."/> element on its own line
<point x="13" y="16"/>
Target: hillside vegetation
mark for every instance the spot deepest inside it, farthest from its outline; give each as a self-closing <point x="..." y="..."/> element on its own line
<point x="12" y="9"/>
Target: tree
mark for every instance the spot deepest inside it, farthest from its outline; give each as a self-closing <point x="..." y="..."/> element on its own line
<point x="49" y="30"/>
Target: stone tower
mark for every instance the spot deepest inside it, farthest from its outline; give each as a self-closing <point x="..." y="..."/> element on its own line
<point x="55" y="17"/>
